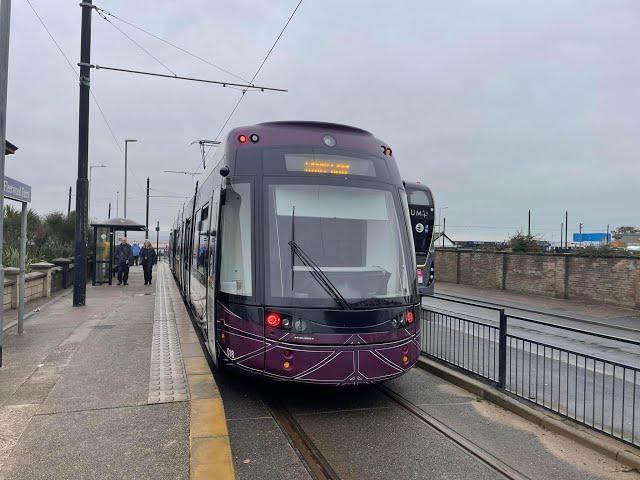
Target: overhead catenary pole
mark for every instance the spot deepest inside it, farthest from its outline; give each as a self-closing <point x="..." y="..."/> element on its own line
<point x="69" y="203"/>
<point x="157" y="236"/>
<point x="529" y="227"/>
<point x="607" y="237"/>
<point x="147" y="217"/>
<point x="566" y="229"/>
<point x="561" y="233"/>
<point x="109" y="214"/>
<point x="5" y="14"/>
<point x="444" y="228"/>
<point x="580" y="226"/>
<point x="118" y="203"/>
<point x="82" y="184"/>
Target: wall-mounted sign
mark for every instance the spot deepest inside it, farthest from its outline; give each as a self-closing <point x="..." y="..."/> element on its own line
<point x="16" y="190"/>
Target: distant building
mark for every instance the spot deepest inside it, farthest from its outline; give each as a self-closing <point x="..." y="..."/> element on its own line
<point x="630" y="241"/>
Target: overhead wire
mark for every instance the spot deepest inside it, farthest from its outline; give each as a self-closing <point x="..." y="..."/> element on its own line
<point x="178" y="47"/>
<point x="257" y="72"/>
<point x="104" y="17"/>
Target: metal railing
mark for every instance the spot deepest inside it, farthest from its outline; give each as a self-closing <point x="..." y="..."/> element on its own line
<point x="597" y="392"/>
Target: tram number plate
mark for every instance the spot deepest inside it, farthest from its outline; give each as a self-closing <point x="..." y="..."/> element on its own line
<point x="231" y="354"/>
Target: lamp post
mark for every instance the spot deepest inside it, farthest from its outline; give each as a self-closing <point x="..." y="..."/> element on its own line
<point x="126" y="142"/>
<point x="440" y="217"/>
<point x="91" y="167"/>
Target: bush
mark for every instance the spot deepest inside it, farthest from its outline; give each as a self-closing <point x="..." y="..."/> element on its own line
<point x="525" y="243"/>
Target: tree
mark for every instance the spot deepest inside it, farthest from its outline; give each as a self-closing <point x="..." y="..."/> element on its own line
<point x="620" y="231"/>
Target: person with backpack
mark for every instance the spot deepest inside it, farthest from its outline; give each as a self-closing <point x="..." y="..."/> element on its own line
<point x="147" y="258"/>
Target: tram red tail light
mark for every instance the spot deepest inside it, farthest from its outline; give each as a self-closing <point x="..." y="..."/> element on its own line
<point x="410" y="317"/>
<point x="273" y="320"/>
<point x="242" y="138"/>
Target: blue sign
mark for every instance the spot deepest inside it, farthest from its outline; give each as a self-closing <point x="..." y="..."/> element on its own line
<point x="16" y="190"/>
<point x="591" y="237"/>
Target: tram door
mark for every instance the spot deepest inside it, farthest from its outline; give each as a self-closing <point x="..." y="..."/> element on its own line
<point x="186" y="256"/>
<point x="212" y="251"/>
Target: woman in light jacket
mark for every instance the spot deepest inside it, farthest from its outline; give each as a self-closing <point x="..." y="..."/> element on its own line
<point x="148" y="259"/>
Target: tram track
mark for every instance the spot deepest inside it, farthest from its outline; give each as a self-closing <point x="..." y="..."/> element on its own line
<point x="471" y="448"/>
<point x="321" y="469"/>
<point x="450" y="297"/>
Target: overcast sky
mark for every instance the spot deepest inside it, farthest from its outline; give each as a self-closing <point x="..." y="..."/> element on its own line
<point x="499" y="106"/>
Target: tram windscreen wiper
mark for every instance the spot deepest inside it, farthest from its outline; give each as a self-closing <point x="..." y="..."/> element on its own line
<point x="319" y="276"/>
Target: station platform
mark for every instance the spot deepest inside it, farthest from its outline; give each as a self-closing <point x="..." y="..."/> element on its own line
<point x="117" y="389"/>
<point x="121" y="389"/>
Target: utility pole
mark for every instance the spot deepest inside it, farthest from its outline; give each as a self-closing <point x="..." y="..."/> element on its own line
<point x="581" y="233"/>
<point x="147" y="218"/>
<point x="69" y="203"/>
<point x="109" y="214"/>
<point x="566" y="229"/>
<point x="126" y="142"/>
<point x="529" y="228"/>
<point x="5" y="17"/>
<point x="82" y="184"/>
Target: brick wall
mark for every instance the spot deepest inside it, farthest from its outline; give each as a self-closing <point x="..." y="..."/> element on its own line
<point x="609" y="280"/>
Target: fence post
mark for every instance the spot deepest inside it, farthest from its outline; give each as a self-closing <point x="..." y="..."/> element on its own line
<point x="502" y="350"/>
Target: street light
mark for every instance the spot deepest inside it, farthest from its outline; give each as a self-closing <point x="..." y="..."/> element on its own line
<point x="126" y="142"/>
<point x="440" y="216"/>
<point x="91" y="167"/>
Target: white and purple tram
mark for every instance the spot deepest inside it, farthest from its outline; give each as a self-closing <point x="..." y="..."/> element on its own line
<point x="297" y="258"/>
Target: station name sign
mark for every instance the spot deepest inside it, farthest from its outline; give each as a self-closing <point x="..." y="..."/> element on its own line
<point x="16" y="190"/>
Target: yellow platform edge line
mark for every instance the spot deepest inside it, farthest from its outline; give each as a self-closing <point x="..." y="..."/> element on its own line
<point x="210" y="449"/>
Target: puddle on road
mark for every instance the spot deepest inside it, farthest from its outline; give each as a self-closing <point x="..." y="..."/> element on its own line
<point x="582" y="458"/>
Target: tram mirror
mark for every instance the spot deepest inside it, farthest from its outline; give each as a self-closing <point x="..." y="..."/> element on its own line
<point x="224" y="171"/>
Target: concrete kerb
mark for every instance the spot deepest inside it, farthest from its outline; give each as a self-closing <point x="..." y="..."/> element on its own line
<point x="209" y="437"/>
<point x="625" y="454"/>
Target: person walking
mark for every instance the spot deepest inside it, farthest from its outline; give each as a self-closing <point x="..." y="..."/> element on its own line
<point x="135" y="249"/>
<point x="148" y="259"/>
<point x="124" y="258"/>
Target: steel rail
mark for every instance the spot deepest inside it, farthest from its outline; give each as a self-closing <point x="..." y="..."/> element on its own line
<point x="317" y="465"/>
<point x="473" y="449"/>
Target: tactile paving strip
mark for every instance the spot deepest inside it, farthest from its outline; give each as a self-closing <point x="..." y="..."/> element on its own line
<point x="167" y="378"/>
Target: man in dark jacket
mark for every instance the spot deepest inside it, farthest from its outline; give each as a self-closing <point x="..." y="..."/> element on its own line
<point x="148" y="259"/>
<point x="124" y="258"/>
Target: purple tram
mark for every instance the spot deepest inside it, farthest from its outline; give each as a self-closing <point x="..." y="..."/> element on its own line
<point x="296" y="256"/>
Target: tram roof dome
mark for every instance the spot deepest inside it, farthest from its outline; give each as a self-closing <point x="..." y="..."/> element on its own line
<point x="310" y="124"/>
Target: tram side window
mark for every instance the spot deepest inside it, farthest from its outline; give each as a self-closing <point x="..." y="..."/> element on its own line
<point x="194" y="242"/>
<point x="203" y="228"/>
<point x="235" y="258"/>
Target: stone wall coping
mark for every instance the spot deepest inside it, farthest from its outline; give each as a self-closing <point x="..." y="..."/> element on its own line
<point x="34" y="275"/>
<point x="11" y="271"/>
<point x="62" y="261"/>
<point x="42" y="265"/>
<point x="538" y="254"/>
